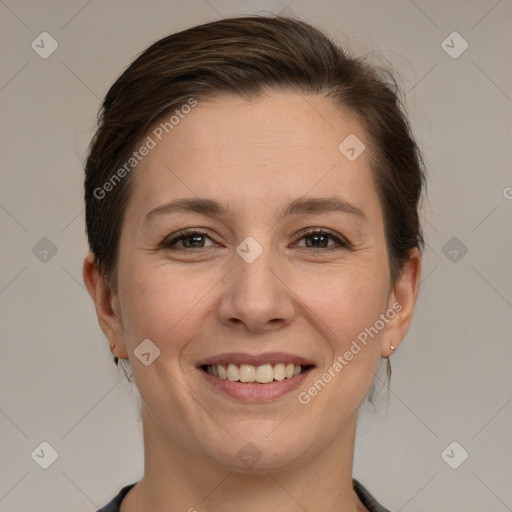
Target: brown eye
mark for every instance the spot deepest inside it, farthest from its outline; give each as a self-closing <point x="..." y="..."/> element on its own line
<point x="320" y="240"/>
<point x="188" y="240"/>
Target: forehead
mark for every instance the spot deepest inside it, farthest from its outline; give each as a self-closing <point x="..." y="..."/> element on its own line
<point x="282" y="145"/>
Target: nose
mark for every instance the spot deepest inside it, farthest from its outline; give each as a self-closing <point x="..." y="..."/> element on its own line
<point x="255" y="296"/>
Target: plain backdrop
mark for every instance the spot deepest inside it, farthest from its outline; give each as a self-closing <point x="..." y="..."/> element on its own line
<point x="451" y="377"/>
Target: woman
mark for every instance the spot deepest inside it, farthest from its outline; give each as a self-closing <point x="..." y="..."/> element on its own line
<point x="252" y="212"/>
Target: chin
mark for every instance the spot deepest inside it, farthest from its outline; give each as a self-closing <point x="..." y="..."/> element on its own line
<point x="255" y="448"/>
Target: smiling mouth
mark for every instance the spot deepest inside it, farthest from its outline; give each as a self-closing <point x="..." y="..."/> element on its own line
<point x="262" y="374"/>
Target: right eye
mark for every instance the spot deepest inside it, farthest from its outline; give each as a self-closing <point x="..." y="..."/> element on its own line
<point x="189" y="239"/>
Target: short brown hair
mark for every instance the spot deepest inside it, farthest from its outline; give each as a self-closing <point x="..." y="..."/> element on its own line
<point x="249" y="56"/>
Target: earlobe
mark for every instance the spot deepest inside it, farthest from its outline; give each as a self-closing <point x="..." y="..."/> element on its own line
<point x="103" y="299"/>
<point x="402" y="300"/>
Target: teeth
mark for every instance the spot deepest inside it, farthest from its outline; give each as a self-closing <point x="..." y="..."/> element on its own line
<point x="265" y="373"/>
<point x="279" y="373"/>
<point x="233" y="372"/>
<point x="248" y="373"/>
<point x="223" y="374"/>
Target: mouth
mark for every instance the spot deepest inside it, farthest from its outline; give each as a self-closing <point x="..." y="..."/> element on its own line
<point x="255" y="378"/>
<point x="248" y="373"/>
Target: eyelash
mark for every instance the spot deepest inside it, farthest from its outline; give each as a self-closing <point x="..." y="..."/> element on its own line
<point x="342" y="243"/>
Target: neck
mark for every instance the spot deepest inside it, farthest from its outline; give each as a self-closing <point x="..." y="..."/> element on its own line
<point x="176" y="479"/>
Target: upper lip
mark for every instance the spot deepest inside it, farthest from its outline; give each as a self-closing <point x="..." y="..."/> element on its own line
<point x="239" y="358"/>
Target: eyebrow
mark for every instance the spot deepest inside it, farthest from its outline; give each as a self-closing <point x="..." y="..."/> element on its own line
<point x="296" y="207"/>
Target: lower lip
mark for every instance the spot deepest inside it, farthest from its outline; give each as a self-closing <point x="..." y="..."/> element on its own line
<point x="253" y="391"/>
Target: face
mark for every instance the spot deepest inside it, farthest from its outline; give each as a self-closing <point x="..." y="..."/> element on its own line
<point x="251" y="240"/>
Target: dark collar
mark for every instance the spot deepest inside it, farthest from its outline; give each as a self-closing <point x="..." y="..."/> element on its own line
<point x="366" y="499"/>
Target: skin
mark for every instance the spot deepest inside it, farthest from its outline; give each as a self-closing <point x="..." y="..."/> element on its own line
<point x="193" y="303"/>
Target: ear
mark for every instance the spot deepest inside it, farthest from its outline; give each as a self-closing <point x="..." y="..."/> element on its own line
<point x="402" y="300"/>
<point x="107" y="306"/>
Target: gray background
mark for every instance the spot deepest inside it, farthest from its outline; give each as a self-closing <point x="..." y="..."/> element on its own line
<point x="451" y="377"/>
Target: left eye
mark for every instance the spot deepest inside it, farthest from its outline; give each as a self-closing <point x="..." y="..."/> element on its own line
<point x="320" y="240"/>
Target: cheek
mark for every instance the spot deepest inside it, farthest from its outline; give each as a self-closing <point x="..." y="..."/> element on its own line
<point x="161" y="305"/>
<point x="346" y="304"/>
<point x="344" y="300"/>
